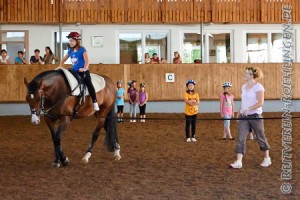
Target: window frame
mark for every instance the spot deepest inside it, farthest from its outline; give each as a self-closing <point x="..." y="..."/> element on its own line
<point x="206" y="34"/>
<point x="26" y="41"/>
<point x="143" y="34"/>
<point x="269" y="45"/>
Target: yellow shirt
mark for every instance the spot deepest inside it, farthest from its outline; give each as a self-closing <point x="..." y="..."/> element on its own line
<point x="191" y="110"/>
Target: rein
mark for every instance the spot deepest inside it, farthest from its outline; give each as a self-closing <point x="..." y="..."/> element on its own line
<point x="44" y="112"/>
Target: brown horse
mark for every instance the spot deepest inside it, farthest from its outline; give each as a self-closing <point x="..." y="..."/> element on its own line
<point x="49" y="95"/>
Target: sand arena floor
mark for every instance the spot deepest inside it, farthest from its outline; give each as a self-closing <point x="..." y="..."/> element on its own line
<point x="156" y="162"/>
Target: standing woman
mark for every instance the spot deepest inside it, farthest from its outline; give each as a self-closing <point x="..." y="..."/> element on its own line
<point x="147" y="58"/>
<point x="251" y="108"/>
<point x="49" y="56"/>
<point x="177" y="59"/>
<point x="80" y="64"/>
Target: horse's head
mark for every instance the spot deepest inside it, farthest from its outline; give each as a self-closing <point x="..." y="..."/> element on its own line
<point x="34" y="98"/>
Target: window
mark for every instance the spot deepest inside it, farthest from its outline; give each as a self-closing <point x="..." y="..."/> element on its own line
<point x="157" y="43"/>
<point x="219" y="48"/>
<point x="14" y="41"/>
<point x="257" y="47"/>
<point x="276" y="47"/>
<point x="263" y="47"/>
<point x="133" y="46"/>
<point x="130" y="48"/>
<point x="191" y="47"/>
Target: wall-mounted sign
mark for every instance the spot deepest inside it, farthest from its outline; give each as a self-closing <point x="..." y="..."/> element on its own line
<point x="170" y="77"/>
<point x="97" y="41"/>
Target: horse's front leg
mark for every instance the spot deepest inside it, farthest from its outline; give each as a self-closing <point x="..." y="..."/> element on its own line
<point x="56" y="128"/>
<point x="95" y="136"/>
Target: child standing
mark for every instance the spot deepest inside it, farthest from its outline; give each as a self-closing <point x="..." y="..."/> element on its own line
<point x="133" y="98"/>
<point x="120" y="100"/>
<point x="143" y="98"/>
<point x="191" y="99"/>
<point x="227" y="109"/>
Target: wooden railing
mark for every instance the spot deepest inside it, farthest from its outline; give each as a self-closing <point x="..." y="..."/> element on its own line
<point x="145" y="11"/>
<point x="209" y="79"/>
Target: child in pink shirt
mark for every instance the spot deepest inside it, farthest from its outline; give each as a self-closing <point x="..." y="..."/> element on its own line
<point x="227" y="109"/>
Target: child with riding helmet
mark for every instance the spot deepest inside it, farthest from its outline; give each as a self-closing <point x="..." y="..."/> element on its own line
<point x="133" y="99"/>
<point x="227" y="109"/>
<point x="80" y="64"/>
<point x="191" y="99"/>
<point x="120" y="100"/>
<point x="143" y="98"/>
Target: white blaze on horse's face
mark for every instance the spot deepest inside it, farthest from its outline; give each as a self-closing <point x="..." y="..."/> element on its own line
<point x="35" y="119"/>
<point x="34" y="104"/>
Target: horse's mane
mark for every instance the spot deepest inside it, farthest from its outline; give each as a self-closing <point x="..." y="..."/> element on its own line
<point x="34" y="84"/>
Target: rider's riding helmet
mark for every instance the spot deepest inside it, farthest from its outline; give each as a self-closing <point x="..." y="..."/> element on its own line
<point x="74" y="35"/>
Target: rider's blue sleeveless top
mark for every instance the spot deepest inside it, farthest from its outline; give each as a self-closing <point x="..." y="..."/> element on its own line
<point x="77" y="58"/>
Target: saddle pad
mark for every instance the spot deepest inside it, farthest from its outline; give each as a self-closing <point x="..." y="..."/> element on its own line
<point x="98" y="82"/>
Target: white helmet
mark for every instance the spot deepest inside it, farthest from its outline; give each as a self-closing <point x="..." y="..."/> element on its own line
<point x="227" y="84"/>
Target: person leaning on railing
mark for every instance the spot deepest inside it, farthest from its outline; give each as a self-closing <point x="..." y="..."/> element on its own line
<point x="155" y="59"/>
<point x="37" y="59"/>
<point x="147" y="58"/>
<point x="177" y="58"/>
<point x="49" y="56"/>
<point x="4" y="58"/>
<point x="20" y="59"/>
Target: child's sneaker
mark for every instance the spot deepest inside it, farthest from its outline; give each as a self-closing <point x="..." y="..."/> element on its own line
<point x="131" y="120"/>
<point x="96" y="107"/>
<point x="134" y="120"/>
<point x="236" y="165"/>
<point x="188" y="140"/>
<point x="194" y="140"/>
<point x="266" y="162"/>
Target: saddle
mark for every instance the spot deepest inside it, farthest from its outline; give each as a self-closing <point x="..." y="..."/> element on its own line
<point x="81" y="85"/>
<point x="77" y="86"/>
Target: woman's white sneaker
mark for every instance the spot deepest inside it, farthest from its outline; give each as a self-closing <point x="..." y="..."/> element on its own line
<point x="266" y="162"/>
<point x="194" y="140"/>
<point x="236" y="165"/>
<point x="188" y="140"/>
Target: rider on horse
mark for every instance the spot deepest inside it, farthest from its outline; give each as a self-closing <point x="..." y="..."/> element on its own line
<point x="80" y="64"/>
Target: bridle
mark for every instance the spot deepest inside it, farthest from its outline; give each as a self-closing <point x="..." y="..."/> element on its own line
<point x="45" y="112"/>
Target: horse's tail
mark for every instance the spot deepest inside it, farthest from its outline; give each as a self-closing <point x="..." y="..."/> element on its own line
<point x="110" y="126"/>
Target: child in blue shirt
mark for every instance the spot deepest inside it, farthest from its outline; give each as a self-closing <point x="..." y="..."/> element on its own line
<point x="120" y="100"/>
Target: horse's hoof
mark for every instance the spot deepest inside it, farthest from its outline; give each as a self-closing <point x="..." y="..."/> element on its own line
<point x="118" y="158"/>
<point x="85" y="161"/>
<point x="86" y="157"/>
<point x="66" y="162"/>
<point x="56" y="165"/>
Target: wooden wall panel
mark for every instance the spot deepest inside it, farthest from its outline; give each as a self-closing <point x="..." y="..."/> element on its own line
<point x="209" y="77"/>
<point x="145" y="11"/>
